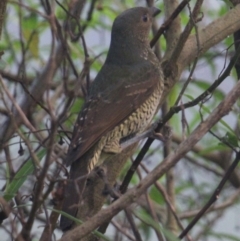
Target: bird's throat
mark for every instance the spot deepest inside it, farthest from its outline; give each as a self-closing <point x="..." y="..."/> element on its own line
<point x="127" y="52"/>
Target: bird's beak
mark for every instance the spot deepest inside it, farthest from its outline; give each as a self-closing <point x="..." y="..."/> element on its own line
<point x="154" y="11"/>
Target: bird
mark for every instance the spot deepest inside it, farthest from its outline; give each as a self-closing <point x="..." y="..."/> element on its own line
<point x="121" y="102"/>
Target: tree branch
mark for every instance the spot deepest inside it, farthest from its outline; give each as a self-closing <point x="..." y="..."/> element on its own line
<point x="209" y="36"/>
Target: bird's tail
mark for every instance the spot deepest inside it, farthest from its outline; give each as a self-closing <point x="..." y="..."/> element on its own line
<point x="73" y="191"/>
<point x="77" y="181"/>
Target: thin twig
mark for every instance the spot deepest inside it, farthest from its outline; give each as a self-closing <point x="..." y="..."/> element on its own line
<point x="214" y="196"/>
<point x="168" y="22"/>
<point x="132" y="224"/>
<point x="185" y="34"/>
<point x="40" y="184"/>
<point x="118" y="227"/>
<point x="228" y="203"/>
<point x="162" y="190"/>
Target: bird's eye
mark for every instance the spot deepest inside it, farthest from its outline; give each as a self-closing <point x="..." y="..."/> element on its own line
<point x="145" y="18"/>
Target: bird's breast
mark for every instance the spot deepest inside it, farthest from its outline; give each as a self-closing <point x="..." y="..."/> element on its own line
<point x="140" y="119"/>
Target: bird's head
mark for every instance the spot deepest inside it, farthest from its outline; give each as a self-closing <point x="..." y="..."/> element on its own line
<point x="134" y="22"/>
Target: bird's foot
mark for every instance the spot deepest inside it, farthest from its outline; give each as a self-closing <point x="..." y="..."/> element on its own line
<point x="108" y="189"/>
<point x="112" y="191"/>
<point x="164" y="135"/>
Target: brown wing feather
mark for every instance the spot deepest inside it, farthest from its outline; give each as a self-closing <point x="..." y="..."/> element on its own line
<point x="105" y="110"/>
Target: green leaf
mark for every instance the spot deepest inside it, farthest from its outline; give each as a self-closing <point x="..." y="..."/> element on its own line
<point x="203" y="85"/>
<point x="77" y="106"/>
<point x="189" y="97"/>
<point x="207" y="110"/>
<point x="148" y="219"/>
<point x="20" y="177"/>
<point x="156" y="195"/>
<point x="30" y="33"/>
<point x="213" y="148"/>
<point x="232" y="139"/>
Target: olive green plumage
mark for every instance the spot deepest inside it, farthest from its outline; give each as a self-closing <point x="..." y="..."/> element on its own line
<point x="122" y="101"/>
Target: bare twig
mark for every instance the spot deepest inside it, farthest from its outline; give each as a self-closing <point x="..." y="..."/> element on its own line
<point x="118" y="227"/>
<point x="227" y="203"/>
<point x="214" y="196"/>
<point x="25" y="233"/>
<point x="132" y="224"/>
<point x="185" y="34"/>
<point x="168" y="22"/>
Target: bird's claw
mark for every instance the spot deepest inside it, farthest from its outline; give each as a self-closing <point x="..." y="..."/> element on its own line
<point x="112" y="191"/>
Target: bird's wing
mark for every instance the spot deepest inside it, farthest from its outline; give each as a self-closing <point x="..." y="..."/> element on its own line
<point x="110" y="105"/>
